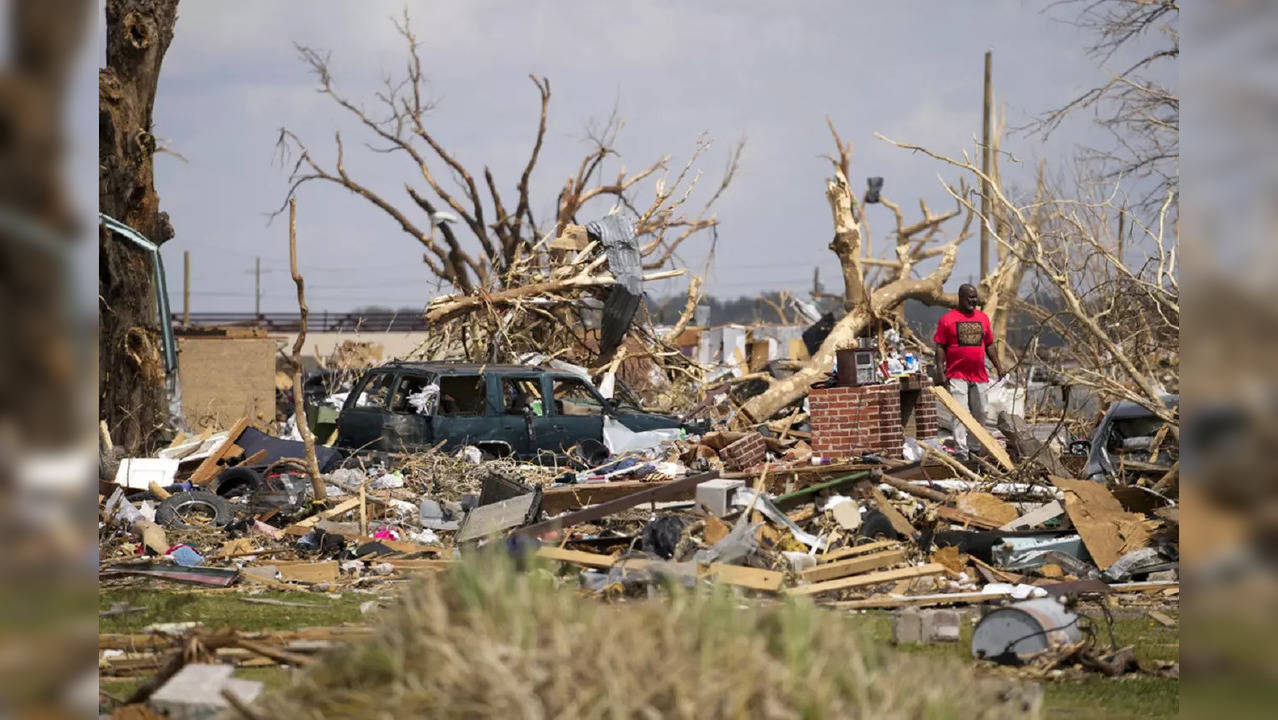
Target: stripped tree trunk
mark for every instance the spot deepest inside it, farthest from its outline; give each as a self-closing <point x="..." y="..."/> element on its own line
<point x="299" y="398"/>
<point x="131" y="397"/>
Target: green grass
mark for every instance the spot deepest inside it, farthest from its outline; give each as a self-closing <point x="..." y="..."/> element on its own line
<point x="225" y="609"/>
<point x="1101" y="697"/>
<point x="1093" y="697"/>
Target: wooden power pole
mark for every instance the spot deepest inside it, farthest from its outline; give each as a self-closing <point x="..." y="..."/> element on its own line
<point x="985" y="167"/>
<point x="186" y="287"/>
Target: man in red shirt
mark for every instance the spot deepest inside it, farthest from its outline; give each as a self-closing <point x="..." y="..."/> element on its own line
<point x="963" y="341"/>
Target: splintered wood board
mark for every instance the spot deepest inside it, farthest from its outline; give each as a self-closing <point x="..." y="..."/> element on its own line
<point x="209" y="468"/>
<point x="978" y="430"/>
<point x="855" y="550"/>
<point x="898" y="521"/>
<point x="852" y="566"/>
<point x="746" y="577"/>
<point x="892" y="601"/>
<point x="579" y="557"/>
<point x="324" y="571"/>
<point x="865" y="580"/>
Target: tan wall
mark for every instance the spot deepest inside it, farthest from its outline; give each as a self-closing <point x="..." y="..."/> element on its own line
<point x="395" y="344"/>
<point x="224" y="379"/>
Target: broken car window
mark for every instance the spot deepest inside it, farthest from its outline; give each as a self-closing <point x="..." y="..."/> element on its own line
<point x="573" y="397"/>
<point x="415" y="394"/>
<point x="461" y="395"/>
<point x="375" y="391"/>
<point x="520" y="393"/>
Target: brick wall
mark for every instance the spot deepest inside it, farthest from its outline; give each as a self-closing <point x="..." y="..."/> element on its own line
<point x="848" y="421"/>
<point x="744" y="453"/>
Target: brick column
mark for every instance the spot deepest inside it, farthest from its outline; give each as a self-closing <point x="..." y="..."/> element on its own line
<point x="848" y="421"/>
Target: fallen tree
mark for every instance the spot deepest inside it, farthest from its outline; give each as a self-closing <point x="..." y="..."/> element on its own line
<point x="881" y="301"/>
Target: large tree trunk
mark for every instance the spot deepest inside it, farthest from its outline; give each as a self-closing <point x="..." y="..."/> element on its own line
<point x="130" y="367"/>
<point x="37" y="361"/>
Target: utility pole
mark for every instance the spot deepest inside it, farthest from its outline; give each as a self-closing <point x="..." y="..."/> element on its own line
<point x="985" y="167"/>
<point x="257" y="293"/>
<point x="186" y="287"/>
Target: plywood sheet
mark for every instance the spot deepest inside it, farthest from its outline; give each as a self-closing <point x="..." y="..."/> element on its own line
<point x="1108" y="531"/>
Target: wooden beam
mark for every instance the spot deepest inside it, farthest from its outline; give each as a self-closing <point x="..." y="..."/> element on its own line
<point x="853" y="566"/>
<point x="747" y="577"/>
<point x="1036" y="517"/>
<point x="899" y="523"/>
<point x="209" y="468"/>
<point x="856" y="550"/>
<point x="920" y="600"/>
<point x="978" y="430"/>
<point x="865" y="580"/>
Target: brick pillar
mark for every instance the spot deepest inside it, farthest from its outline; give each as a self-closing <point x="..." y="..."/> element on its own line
<point x="848" y="421"/>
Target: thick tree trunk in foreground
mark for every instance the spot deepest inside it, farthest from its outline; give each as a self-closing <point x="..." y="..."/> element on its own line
<point x="131" y="397"/>
<point x="37" y="363"/>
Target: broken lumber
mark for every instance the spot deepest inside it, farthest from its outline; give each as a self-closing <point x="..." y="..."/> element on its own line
<point x="936" y="600"/>
<point x="746" y="577"/>
<point x="1036" y="517"/>
<point x="209" y="467"/>
<point x="855" y="550"/>
<point x="977" y="430"/>
<point x="853" y="566"/>
<point x="872" y="579"/>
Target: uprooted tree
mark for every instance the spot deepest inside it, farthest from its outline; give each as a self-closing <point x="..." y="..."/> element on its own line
<point x="481" y="235"/>
<point x="131" y="395"/>
<point x="875" y="288"/>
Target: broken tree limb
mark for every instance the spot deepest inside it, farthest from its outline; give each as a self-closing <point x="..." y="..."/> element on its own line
<point x="451" y="306"/>
<point x="299" y="400"/>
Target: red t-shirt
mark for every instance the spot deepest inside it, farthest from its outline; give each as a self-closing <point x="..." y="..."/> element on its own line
<point x="964" y="338"/>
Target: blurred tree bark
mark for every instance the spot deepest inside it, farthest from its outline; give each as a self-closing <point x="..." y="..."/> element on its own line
<point x="131" y="396"/>
<point x="38" y="227"/>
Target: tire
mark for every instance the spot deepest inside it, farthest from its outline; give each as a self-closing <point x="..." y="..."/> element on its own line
<point x="194" y="509"/>
<point x="237" y="482"/>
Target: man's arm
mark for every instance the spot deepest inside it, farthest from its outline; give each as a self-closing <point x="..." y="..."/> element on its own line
<point x="993" y="356"/>
<point x="939" y="378"/>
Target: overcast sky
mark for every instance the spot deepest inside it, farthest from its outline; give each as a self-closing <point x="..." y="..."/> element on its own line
<point x="766" y="72"/>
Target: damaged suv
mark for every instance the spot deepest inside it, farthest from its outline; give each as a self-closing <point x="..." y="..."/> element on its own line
<point x="504" y="410"/>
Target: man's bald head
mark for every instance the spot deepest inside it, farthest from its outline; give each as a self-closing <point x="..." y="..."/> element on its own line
<point x="968" y="297"/>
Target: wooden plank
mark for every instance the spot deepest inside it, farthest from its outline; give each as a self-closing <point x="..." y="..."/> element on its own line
<point x="301" y="527"/>
<point x="323" y="571"/>
<point x="747" y="577"/>
<point x="1036" y="517"/>
<point x="589" y="559"/>
<point x="899" y="523"/>
<point x="417" y="565"/>
<point x="936" y="600"/>
<point x="555" y="500"/>
<point x="209" y="468"/>
<point x="1163" y="619"/>
<point x="853" y="566"/>
<point x="865" y="580"/>
<point x="856" y="550"/>
<point x="955" y="515"/>
<point x="653" y="493"/>
<point x="978" y="431"/>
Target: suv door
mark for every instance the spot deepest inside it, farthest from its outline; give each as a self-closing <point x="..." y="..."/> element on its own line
<point x="517" y="403"/>
<point x="462" y="414"/>
<point x="575" y="413"/>
<point x="407" y="425"/>
<point x="360" y="423"/>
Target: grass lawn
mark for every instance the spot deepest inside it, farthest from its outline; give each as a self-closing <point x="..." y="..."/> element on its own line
<point x="1093" y="697"/>
<point x="222" y="609"/>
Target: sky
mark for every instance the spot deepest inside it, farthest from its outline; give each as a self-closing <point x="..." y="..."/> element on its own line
<point x="770" y="73"/>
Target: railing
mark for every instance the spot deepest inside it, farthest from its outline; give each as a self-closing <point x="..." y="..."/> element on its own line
<point x="321" y="321"/>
